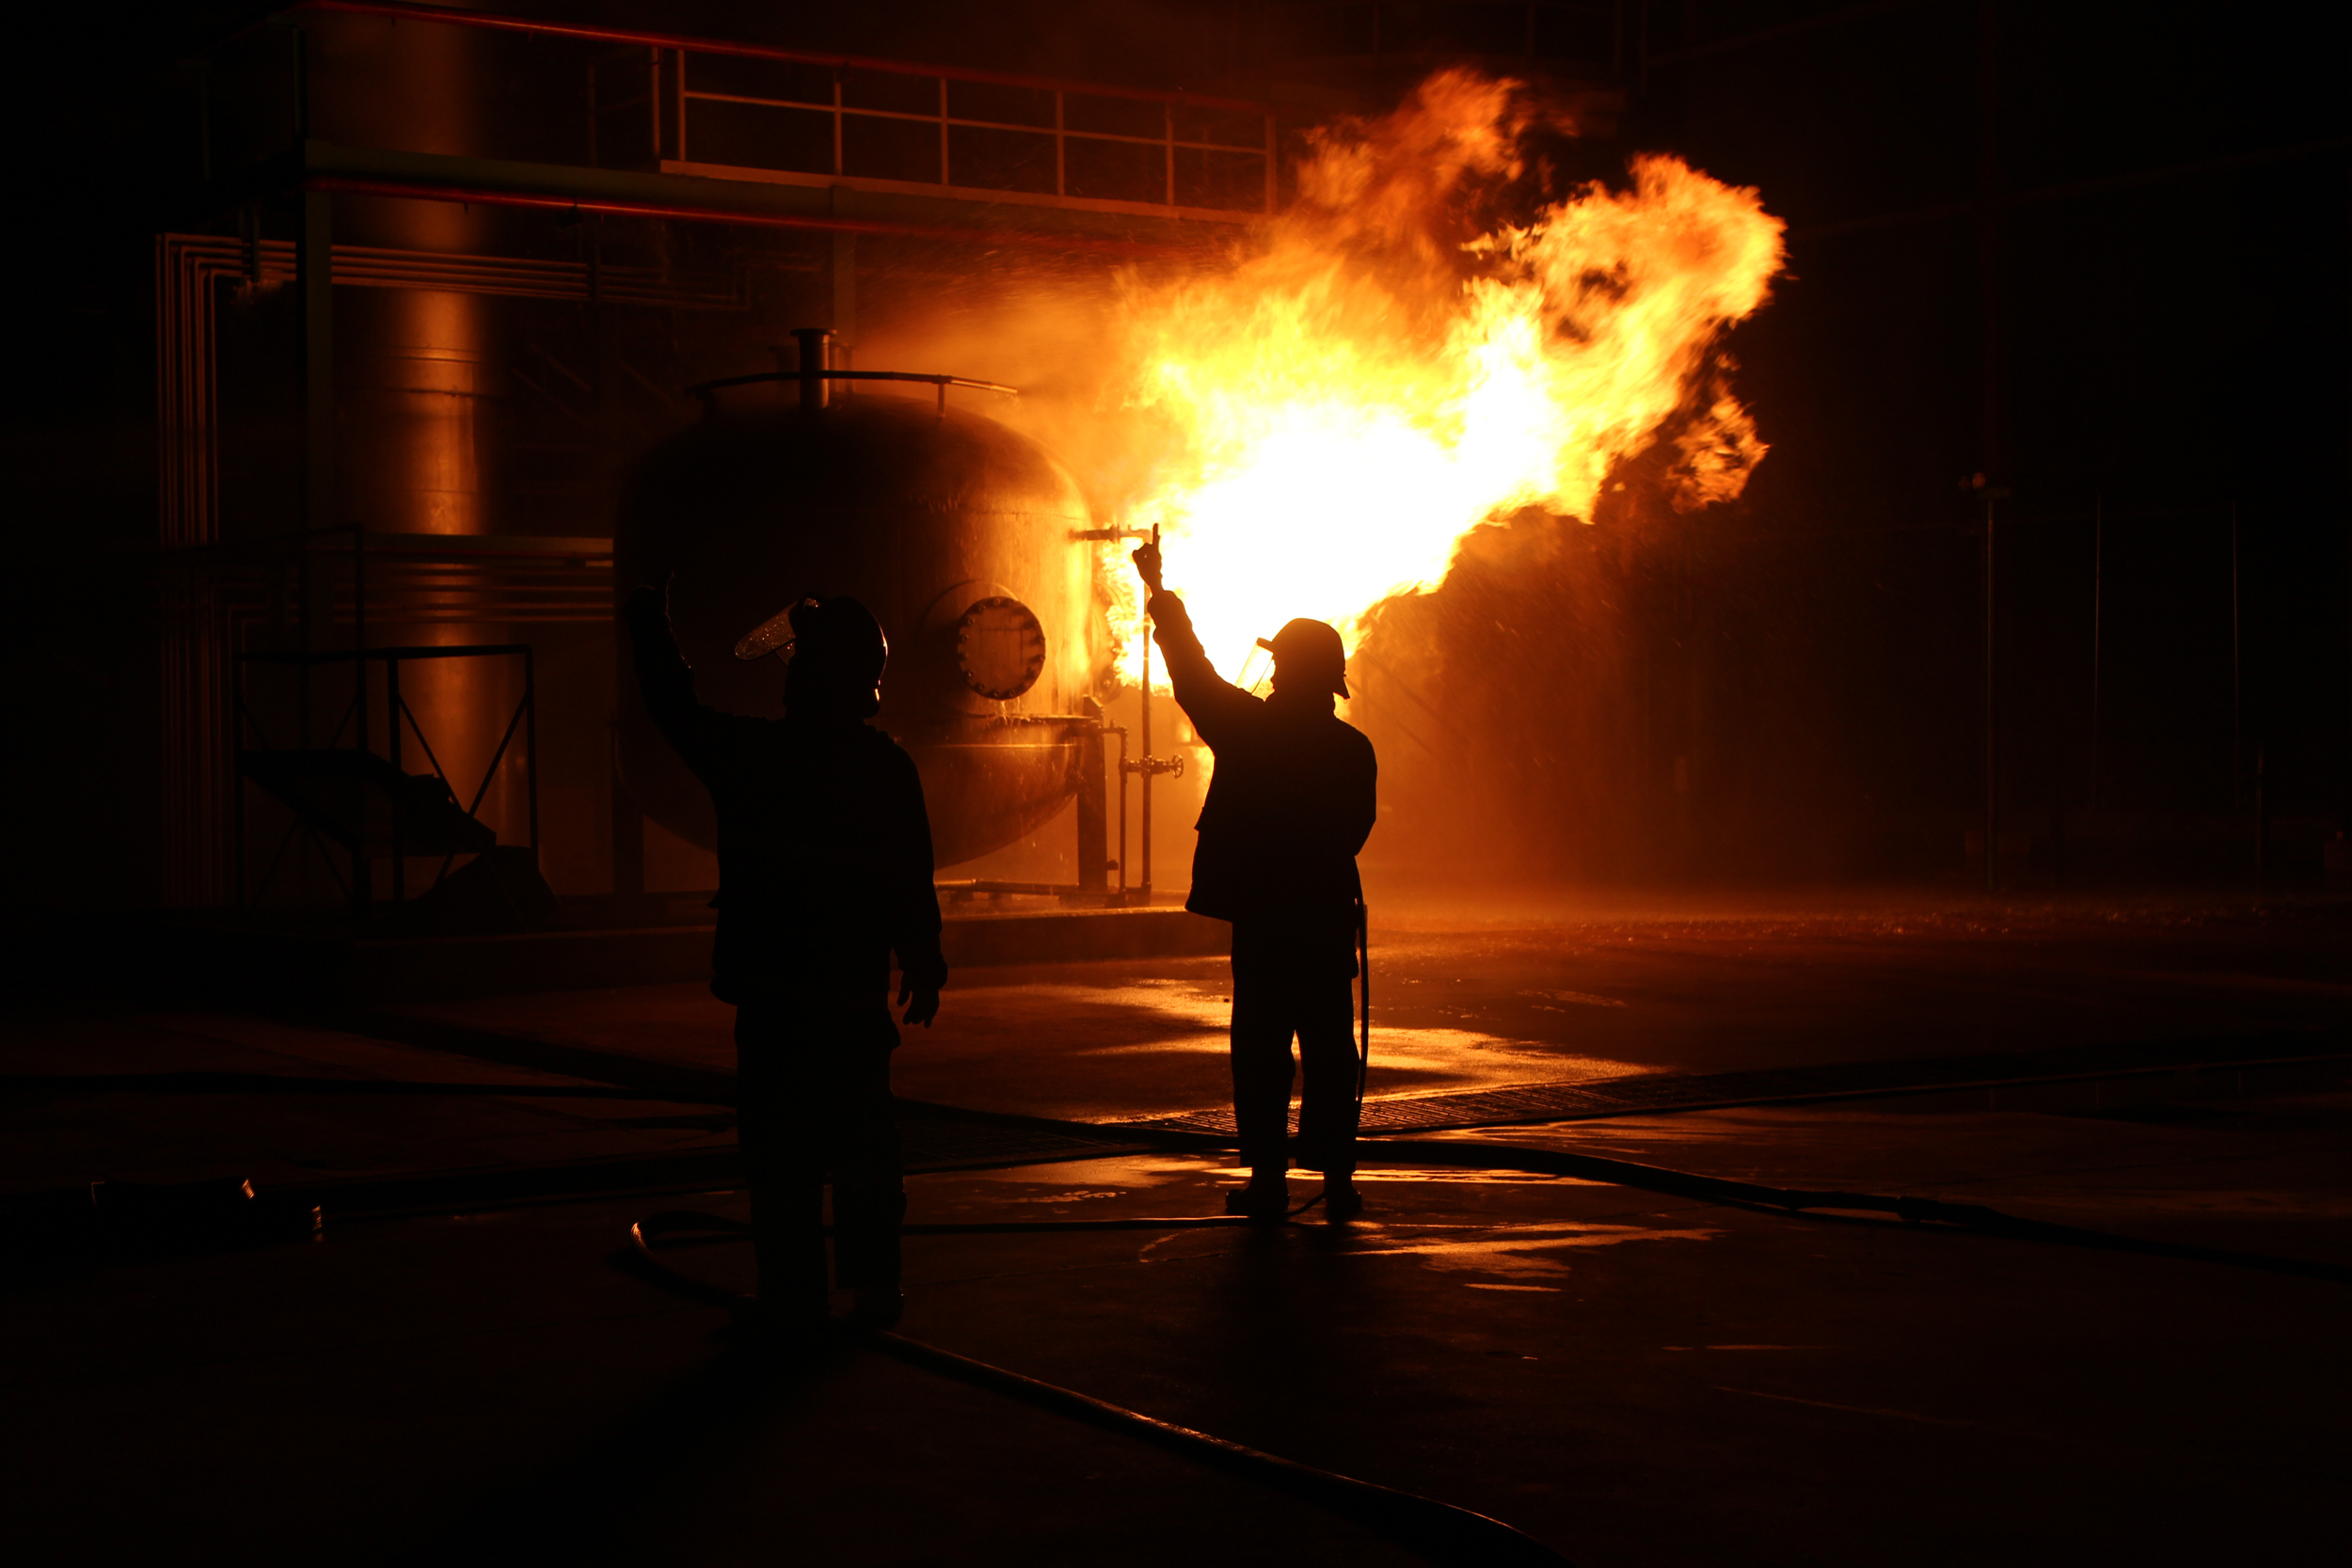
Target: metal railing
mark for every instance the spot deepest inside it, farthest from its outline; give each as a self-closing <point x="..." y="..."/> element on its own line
<point x="717" y="107"/>
<point x="1078" y="147"/>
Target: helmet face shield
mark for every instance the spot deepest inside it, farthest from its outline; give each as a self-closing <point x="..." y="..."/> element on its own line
<point x="1310" y="654"/>
<point x="772" y="636"/>
<point x="833" y="649"/>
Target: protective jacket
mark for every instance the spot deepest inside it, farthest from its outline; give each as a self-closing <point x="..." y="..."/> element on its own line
<point x="824" y="845"/>
<point x="1292" y="799"/>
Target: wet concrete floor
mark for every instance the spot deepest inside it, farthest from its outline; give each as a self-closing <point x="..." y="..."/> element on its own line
<point x="1631" y="1379"/>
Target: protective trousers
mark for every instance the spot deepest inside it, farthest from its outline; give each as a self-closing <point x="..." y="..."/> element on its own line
<point x="813" y="1095"/>
<point x="1292" y="979"/>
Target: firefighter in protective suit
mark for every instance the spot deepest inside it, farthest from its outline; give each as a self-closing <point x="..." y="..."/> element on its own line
<point x="824" y="871"/>
<point x="1289" y="805"/>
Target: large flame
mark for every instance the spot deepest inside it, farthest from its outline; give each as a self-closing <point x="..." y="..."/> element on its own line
<point x="1376" y="376"/>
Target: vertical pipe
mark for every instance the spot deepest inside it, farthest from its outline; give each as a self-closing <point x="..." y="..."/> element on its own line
<point x="1992" y="715"/>
<point x="392" y="711"/>
<point x="2261" y="811"/>
<point x="1145" y="739"/>
<point x="2237" y="723"/>
<point x="1989" y="237"/>
<point x="530" y="749"/>
<point x="1093" y="813"/>
<point x="1989" y="394"/>
<point x="236" y="745"/>
<point x="816" y="359"/>
<point x="627" y="824"/>
<point x="193" y="640"/>
<point x="314" y="281"/>
<point x="2098" y="597"/>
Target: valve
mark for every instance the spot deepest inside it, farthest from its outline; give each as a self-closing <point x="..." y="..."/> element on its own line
<point x="1152" y="767"/>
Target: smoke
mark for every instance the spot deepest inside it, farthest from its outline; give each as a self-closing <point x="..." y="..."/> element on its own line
<point x="1427" y="365"/>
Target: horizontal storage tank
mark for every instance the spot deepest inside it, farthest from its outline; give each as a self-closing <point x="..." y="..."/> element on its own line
<point x="964" y="537"/>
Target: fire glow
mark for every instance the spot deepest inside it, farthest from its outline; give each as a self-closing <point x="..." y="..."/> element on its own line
<point x="1370" y="381"/>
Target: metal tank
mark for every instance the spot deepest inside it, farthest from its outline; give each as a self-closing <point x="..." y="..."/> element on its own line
<point x="964" y="537"/>
<point x="420" y="380"/>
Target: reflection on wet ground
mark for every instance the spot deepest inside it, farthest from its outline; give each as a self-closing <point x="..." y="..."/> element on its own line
<point x="1553" y="991"/>
<point x="1547" y="1350"/>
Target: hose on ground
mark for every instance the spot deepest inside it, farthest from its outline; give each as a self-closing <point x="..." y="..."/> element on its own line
<point x="1480" y="1155"/>
<point x="1437" y="1531"/>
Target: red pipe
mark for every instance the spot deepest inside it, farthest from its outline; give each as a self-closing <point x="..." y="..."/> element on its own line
<point x="359" y="186"/>
<point x="498" y="23"/>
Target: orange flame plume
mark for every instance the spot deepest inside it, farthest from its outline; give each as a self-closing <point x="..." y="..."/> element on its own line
<point x="1375" y="377"/>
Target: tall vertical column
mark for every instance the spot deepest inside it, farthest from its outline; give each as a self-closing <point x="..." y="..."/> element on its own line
<point x="422" y="381"/>
<point x="314" y="280"/>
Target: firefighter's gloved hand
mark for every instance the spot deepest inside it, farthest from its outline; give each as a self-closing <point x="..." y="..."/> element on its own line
<point x="918" y="990"/>
<point x="647" y="604"/>
<point x="1147" y="558"/>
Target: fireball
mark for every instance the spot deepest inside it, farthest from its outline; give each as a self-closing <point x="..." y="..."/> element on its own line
<point x="1372" y="378"/>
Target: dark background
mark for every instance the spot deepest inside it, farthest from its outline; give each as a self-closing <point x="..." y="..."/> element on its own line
<point x="2095" y="253"/>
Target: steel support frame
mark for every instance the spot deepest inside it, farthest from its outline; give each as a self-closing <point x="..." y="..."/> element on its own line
<point x="397" y="714"/>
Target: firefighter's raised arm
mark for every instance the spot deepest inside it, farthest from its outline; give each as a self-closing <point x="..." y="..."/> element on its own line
<point x="1213" y="703"/>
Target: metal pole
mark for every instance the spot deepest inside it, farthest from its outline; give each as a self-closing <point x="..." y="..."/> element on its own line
<point x="531" y="747"/>
<point x="2262" y="812"/>
<point x="236" y="757"/>
<point x="314" y="281"/>
<point x="2237" y="725"/>
<point x="816" y="359"/>
<point x="1145" y="739"/>
<point x="2097" y="593"/>
<point x="1992" y="716"/>
<point x="393" y="709"/>
<point x="1989" y="390"/>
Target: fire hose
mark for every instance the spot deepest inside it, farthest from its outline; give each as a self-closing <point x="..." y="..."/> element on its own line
<point x="1439" y="1532"/>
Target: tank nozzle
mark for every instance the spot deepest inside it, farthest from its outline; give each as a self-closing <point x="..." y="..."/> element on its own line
<point x="816" y="359"/>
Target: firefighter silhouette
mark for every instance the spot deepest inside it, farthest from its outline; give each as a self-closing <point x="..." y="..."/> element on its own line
<point x="1289" y="804"/>
<point x="824" y="870"/>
